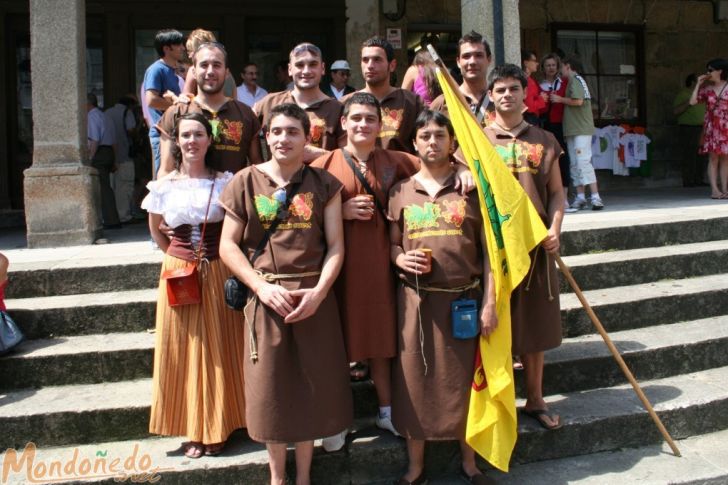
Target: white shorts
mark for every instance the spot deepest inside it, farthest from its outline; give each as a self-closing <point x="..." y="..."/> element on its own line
<point x="580" y="154"/>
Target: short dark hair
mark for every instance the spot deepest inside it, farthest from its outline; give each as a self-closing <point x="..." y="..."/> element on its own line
<point x="92" y="100"/>
<point x="382" y="44"/>
<point x="290" y="110"/>
<point x="719" y="64"/>
<point x="366" y="99"/>
<point x="428" y="115"/>
<point x="128" y="100"/>
<point x="200" y="118"/>
<point x="527" y="54"/>
<point x="574" y="63"/>
<point x="167" y="37"/>
<point x="248" y="64"/>
<point x="211" y="45"/>
<point x="473" y="37"/>
<point x="506" y="71"/>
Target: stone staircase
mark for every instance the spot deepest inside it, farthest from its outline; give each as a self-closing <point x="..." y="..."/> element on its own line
<point x="657" y="281"/>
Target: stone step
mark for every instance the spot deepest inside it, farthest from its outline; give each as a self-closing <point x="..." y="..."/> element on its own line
<point x="655" y="352"/>
<point x="643" y="229"/>
<point x="634" y="266"/>
<point x="87" y="314"/>
<point x="580" y="363"/>
<point x="643" y="305"/>
<point x="618" y="308"/>
<point x="83" y="359"/>
<point x="596" y="421"/>
<point x="86" y="275"/>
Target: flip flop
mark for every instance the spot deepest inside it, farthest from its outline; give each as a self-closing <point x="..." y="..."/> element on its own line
<point x="477" y="479"/>
<point x="538" y="415"/>
<point x="193" y="449"/>
<point x="215" y="449"/>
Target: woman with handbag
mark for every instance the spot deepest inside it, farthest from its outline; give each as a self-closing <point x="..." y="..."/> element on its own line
<point x="198" y="388"/>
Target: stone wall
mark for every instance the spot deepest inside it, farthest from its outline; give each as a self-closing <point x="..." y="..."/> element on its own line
<point x="680" y="36"/>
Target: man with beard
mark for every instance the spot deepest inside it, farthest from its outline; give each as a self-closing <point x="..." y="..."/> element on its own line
<point x="235" y="127"/>
<point x="306" y="67"/>
<point x="473" y="59"/>
<point x="399" y="106"/>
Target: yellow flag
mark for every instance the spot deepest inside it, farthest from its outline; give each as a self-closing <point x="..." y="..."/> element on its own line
<point x="512" y="229"/>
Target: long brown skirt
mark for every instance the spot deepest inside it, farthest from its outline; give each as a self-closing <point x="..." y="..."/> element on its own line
<point x="198" y="387"/>
<point x="535" y="308"/>
<point x="299" y="389"/>
<point x="432" y="406"/>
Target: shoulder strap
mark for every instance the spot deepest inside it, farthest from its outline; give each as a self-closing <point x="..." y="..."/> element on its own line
<point x="364" y="182"/>
<point x="204" y="224"/>
<point x="274" y="225"/>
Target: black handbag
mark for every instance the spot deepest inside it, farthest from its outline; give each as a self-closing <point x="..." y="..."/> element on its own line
<point x="236" y="293"/>
<point x="10" y="334"/>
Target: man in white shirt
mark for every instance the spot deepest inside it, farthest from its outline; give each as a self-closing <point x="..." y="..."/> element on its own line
<point x="249" y="92"/>
<point x="101" y="153"/>
<point x="338" y="87"/>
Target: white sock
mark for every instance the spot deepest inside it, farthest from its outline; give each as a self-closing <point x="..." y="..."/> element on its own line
<point x="580" y="196"/>
<point x="595" y="195"/>
<point x="385" y="412"/>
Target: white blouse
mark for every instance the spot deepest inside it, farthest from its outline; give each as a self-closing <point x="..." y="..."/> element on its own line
<point x="184" y="200"/>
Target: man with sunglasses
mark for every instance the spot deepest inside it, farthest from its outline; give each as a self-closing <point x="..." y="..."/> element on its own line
<point x="235" y="126"/>
<point x="338" y="87"/>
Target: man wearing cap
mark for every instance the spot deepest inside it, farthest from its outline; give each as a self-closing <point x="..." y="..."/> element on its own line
<point x="337" y="88"/>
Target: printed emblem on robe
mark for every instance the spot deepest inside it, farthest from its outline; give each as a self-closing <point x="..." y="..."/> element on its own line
<point x="391" y="121"/>
<point x="228" y="134"/>
<point x="318" y="126"/>
<point x="520" y="156"/>
<point x="296" y="217"/>
<point x="435" y="219"/>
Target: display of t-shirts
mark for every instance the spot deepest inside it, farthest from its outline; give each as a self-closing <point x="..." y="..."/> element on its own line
<point x="605" y="150"/>
<point x="635" y="149"/>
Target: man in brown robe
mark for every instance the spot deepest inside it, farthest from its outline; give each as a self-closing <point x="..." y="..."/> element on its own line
<point x="473" y="59"/>
<point x="306" y="67"/>
<point x="235" y="127"/>
<point x="399" y="106"/>
<point x="296" y="381"/>
<point x="433" y="370"/>
<point x="532" y="154"/>
<point x="365" y="288"/>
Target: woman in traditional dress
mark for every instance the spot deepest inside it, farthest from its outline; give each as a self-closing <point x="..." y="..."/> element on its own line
<point x="198" y="388"/>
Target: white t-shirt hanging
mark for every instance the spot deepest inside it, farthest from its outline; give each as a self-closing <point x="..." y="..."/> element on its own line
<point x="602" y="150"/>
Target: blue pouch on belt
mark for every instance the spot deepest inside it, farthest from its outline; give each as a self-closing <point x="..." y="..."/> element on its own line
<point x="465" y="321"/>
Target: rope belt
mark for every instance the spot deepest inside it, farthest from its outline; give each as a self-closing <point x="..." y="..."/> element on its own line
<point x="457" y="289"/>
<point x="270" y="278"/>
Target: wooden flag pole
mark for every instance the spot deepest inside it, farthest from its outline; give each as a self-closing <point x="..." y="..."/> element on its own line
<point x="615" y="353"/>
<point x="570" y="278"/>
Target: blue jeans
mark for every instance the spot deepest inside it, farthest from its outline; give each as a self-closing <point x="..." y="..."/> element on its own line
<point x="156" y="156"/>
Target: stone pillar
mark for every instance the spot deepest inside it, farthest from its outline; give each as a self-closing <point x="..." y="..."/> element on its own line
<point x="499" y="22"/>
<point x="62" y="195"/>
<point x="362" y="22"/>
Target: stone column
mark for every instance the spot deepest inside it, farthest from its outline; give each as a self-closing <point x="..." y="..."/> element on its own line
<point x="62" y="195"/>
<point x="499" y="22"/>
<point x="362" y="22"/>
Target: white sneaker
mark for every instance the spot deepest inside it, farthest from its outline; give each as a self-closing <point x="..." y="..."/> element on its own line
<point x="334" y="443"/>
<point x="386" y="423"/>
<point x="577" y="205"/>
<point x="597" y="204"/>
